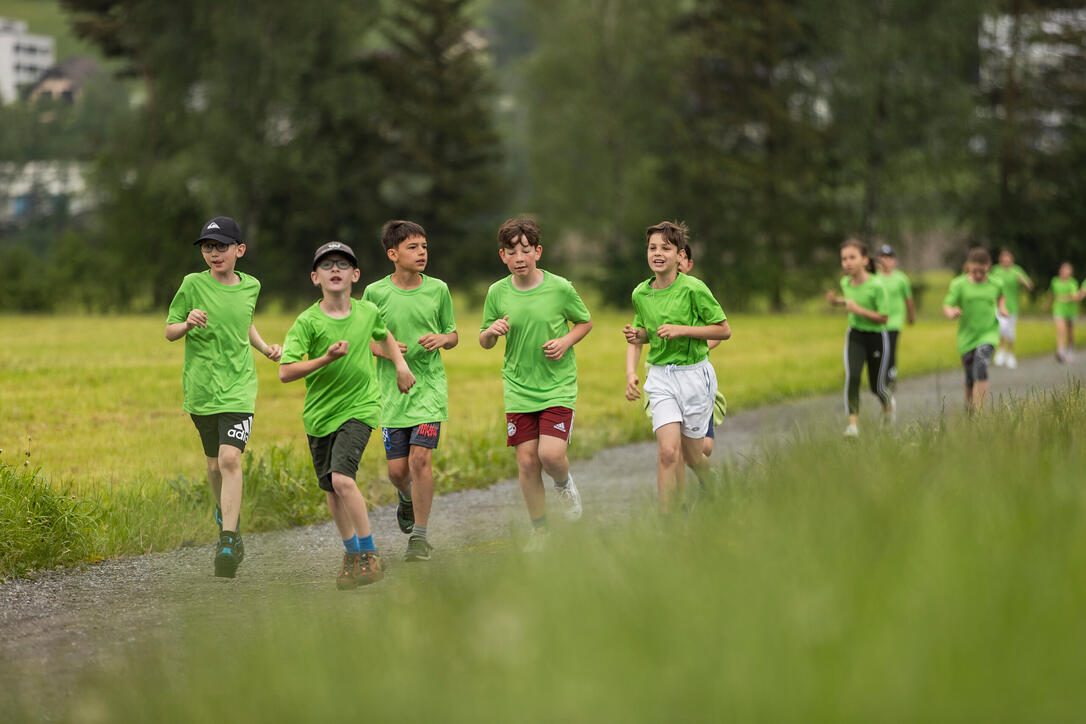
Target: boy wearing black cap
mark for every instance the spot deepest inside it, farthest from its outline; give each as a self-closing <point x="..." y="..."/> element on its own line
<point x="328" y="345"/>
<point x="214" y="311"/>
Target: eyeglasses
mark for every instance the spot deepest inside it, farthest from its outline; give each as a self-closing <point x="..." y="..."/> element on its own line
<point x="220" y="246"/>
<point x="338" y="264"/>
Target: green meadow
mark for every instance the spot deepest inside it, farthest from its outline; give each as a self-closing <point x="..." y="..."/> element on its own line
<point x="931" y="575"/>
<point x="93" y="403"/>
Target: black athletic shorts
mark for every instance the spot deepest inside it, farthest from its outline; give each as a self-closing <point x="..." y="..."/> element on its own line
<point x="975" y="363"/>
<point x="223" y="428"/>
<point x="398" y="440"/>
<point x="339" y="452"/>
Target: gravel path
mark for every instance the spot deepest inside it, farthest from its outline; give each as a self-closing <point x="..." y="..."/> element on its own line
<point x="66" y="621"/>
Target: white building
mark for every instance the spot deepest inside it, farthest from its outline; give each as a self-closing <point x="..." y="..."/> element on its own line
<point x="23" y="58"/>
<point x="42" y="188"/>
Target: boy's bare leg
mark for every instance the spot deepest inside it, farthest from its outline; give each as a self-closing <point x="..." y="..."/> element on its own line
<point x="1061" y="336"/>
<point x="531" y="478"/>
<point x="349" y="498"/>
<point x="694" y="454"/>
<point x="552" y="456"/>
<point x="214" y="479"/>
<point x="340" y="517"/>
<point x="230" y="486"/>
<point x="399" y="475"/>
<point x="421" y="483"/>
<point x="980" y="394"/>
<point x="707" y="446"/>
<point x="668" y="462"/>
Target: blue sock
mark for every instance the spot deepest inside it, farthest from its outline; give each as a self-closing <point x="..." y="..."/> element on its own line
<point x="366" y="544"/>
<point x="539" y="523"/>
<point x="562" y="484"/>
<point x="351" y="544"/>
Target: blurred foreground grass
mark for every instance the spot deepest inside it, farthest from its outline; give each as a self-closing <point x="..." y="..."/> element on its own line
<point x="934" y="574"/>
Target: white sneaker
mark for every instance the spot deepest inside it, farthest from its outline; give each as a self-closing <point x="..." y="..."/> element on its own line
<point x="1000" y="358"/>
<point x="1012" y="362"/>
<point x="537" y="540"/>
<point x="571" y="500"/>
<point x="852" y="431"/>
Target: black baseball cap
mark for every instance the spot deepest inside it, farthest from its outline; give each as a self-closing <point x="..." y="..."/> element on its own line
<point x="221" y="228"/>
<point x="886" y="250"/>
<point x="334" y="247"/>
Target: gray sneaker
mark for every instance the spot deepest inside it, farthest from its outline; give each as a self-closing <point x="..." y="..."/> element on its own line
<point x="571" y="500"/>
<point x="418" y="549"/>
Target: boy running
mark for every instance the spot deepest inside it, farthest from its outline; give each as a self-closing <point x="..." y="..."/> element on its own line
<point x="213" y="311"/>
<point x="416" y="308"/>
<point x="533" y="309"/>
<point x="1010" y="275"/>
<point x="974" y="299"/>
<point x="899" y="309"/>
<point x="328" y="345"/>
<point x="675" y="315"/>
<point x="1065" y="299"/>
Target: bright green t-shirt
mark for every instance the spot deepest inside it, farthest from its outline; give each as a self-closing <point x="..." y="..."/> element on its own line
<point x="979" y="303"/>
<point x="344" y="388"/>
<point x="869" y="295"/>
<point x="1010" y="279"/>
<point x="898" y="289"/>
<point x="532" y="382"/>
<point x="1064" y="288"/>
<point x="409" y="314"/>
<point x="219" y="373"/>
<point x="686" y="301"/>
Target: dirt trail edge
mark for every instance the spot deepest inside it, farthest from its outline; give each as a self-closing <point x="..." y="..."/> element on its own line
<point x="65" y="621"/>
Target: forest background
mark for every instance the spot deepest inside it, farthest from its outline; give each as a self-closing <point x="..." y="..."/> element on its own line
<point x="773" y="128"/>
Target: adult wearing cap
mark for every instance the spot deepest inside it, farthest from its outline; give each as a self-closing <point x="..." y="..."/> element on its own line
<point x="899" y="295"/>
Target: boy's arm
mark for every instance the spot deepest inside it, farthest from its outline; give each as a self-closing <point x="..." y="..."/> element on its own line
<point x="555" y="349"/>
<point x="177" y="330"/>
<point x="391" y="349"/>
<point x="489" y="336"/>
<point x="378" y="350"/>
<point x="721" y="330"/>
<point x="1002" y="302"/>
<point x="635" y="335"/>
<point x="274" y="352"/>
<point x="910" y="310"/>
<point x="853" y="308"/>
<point x="297" y="370"/>
<point x="633" y="359"/>
<point x="835" y="299"/>
<point x="442" y="341"/>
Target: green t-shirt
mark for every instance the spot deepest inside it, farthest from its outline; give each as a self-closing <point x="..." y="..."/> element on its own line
<point x="531" y="381"/>
<point x="1064" y="288"/>
<point x="1010" y="279"/>
<point x="409" y="314"/>
<point x="898" y="289"/>
<point x="686" y="301"/>
<point x="219" y="373"/>
<point x="347" y="387"/>
<point x="870" y="295"/>
<point x="979" y="303"/>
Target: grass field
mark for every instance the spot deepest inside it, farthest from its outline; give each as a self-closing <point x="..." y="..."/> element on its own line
<point x="931" y="575"/>
<point x="94" y="403"/>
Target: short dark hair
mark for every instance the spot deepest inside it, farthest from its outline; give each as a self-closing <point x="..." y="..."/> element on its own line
<point x="979" y="255"/>
<point x="510" y="232"/>
<point x="673" y="231"/>
<point x="397" y="231"/>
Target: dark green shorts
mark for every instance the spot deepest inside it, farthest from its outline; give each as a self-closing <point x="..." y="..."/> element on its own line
<point x="223" y="428"/>
<point x="339" y="452"/>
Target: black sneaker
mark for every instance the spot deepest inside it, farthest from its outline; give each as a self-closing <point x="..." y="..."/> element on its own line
<point x="405" y="514"/>
<point x="227" y="558"/>
<point x="418" y="549"/>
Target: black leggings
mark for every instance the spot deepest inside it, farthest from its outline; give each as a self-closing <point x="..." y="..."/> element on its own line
<point x="891" y="366"/>
<point x="874" y="349"/>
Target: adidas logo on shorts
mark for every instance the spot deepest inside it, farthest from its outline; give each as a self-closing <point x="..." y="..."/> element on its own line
<point x="560" y="427"/>
<point x="241" y="430"/>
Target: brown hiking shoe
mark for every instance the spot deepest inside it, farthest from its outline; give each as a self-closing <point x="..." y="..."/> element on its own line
<point x="369" y="569"/>
<point x="346" y="579"/>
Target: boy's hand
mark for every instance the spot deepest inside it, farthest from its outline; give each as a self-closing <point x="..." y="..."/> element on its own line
<point x="669" y="331"/>
<point x="554" y="349"/>
<point x="952" y="312"/>
<point x="633" y="334"/>
<point x="274" y="353"/>
<point x="633" y="391"/>
<point x="831" y="297"/>
<point x="337" y="350"/>
<point x="404" y="379"/>
<point x="430" y="342"/>
<point x="197" y="318"/>
<point x="500" y="327"/>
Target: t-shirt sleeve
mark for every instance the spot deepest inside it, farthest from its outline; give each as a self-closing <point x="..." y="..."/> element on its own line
<point x="882" y="299"/>
<point x="706" y="306"/>
<point x="490" y="309"/>
<point x="908" y="286"/>
<point x="380" y="331"/>
<point x="180" y="306"/>
<point x="256" y="295"/>
<point x="1022" y="274"/>
<point x="296" y="344"/>
<point x="953" y="296"/>
<point x="445" y="315"/>
<point x="638" y="322"/>
<point x="575" y="310"/>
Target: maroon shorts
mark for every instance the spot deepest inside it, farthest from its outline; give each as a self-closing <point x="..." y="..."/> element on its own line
<point x="525" y="426"/>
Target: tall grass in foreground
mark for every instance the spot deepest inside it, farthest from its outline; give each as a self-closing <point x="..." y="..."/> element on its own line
<point x="931" y="574"/>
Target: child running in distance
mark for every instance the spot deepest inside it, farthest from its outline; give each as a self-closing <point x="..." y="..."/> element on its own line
<point x="1011" y="277"/>
<point x="899" y="297"/>
<point x="866" y="341"/>
<point x="1065" y="299"/>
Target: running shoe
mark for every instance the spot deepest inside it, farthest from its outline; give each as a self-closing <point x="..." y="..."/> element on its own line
<point x="1000" y="358"/>
<point x="1012" y="362"/>
<point x="227" y="559"/>
<point x="369" y="569"/>
<point x="571" y="499"/>
<point x="405" y="514"/>
<point x="239" y="543"/>
<point x="537" y="540"/>
<point x="852" y="431"/>
<point x="418" y="549"/>
<point x="346" y="580"/>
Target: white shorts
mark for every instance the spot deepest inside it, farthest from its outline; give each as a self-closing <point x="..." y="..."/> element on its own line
<point x="683" y="394"/>
<point x="1007" y="327"/>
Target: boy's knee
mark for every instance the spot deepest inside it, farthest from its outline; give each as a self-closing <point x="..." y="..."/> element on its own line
<point x="212" y="466"/>
<point x="418" y="461"/>
<point x="343" y="485"/>
<point x="668" y="454"/>
<point x="229" y="458"/>
<point x="399" y="472"/>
